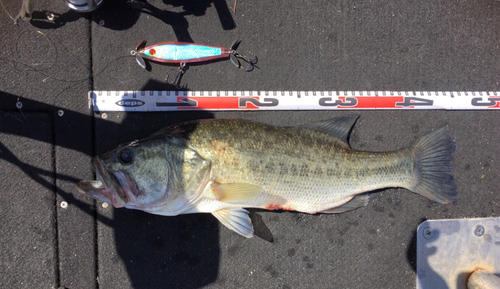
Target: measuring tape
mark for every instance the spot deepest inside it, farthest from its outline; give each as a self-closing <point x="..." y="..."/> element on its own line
<point x="140" y="101"/>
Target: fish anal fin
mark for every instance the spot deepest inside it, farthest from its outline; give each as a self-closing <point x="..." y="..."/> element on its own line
<point x="356" y="202"/>
<point x="237" y="220"/>
<point x="235" y="192"/>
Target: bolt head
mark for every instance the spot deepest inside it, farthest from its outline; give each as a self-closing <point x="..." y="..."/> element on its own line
<point x="479" y="230"/>
<point x="429" y="233"/>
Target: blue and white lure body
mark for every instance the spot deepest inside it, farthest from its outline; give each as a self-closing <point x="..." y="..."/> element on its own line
<point x="183" y="53"/>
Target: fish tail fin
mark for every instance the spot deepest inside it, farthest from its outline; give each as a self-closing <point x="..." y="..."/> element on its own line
<point x="433" y="156"/>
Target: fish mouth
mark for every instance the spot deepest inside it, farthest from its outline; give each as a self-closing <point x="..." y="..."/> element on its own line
<point x="111" y="187"/>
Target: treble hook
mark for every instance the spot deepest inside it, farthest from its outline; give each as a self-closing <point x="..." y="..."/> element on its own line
<point x="236" y="56"/>
<point x="177" y="80"/>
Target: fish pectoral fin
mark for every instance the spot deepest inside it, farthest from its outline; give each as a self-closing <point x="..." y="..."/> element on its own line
<point x="235" y="192"/>
<point x="236" y="220"/>
<point x="354" y="203"/>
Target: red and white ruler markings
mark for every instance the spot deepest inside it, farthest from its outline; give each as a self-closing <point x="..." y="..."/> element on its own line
<point x="141" y="101"/>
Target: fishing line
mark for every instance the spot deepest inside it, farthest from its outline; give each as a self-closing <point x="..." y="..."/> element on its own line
<point x="33" y="66"/>
<point x="50" y="64"/>
<point x="4" y="9"/>
<point x="79" y="82"/>
<point x="19" y="105"/>
<point x="9" y="114"/>
<point x="54" y="45"/>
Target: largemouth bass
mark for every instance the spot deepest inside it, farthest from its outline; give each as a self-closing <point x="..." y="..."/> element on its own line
<point x="221" y="166"/>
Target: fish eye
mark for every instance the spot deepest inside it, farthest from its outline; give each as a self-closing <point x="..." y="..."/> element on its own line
<point x="126" y="156"/>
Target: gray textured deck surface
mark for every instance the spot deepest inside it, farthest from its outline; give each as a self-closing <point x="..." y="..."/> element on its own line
<point x="301" y="45"/>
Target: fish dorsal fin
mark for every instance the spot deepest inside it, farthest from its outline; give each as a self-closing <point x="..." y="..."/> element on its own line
<point x="339" y="126"/>
<point x="235" y="192"/>
<point x="236" y="220"/>
<point x="354" y="203"/>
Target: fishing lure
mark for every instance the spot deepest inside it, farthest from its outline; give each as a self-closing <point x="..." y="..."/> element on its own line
<point x="183" y="53"/>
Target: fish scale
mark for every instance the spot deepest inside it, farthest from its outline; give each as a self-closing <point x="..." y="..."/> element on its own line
<point x="221" y="166"/>
<point x="301" y="193"/>
<point x="301" y="189"/>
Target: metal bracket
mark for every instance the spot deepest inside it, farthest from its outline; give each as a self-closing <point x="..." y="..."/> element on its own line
<point x="448" y="251"/>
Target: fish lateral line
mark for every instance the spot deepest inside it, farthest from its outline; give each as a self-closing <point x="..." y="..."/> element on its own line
<point x="194" y="179"/>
